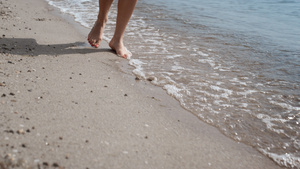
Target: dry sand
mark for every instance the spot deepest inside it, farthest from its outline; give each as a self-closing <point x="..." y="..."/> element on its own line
<point x="66" y="105"/>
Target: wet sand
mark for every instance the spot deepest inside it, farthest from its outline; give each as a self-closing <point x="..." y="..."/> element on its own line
<point x="66" y="105"/>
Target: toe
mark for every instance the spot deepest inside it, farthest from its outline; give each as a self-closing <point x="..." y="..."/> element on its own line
<point x="97" y="43"/>
<point x="124" y="56"/>
<point x="92" y="42"/>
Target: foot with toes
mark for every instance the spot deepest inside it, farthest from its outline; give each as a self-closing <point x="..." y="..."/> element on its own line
<point x="125" y="10"/>
<point x="95" y="36"/>
<point x="120" y="49"/>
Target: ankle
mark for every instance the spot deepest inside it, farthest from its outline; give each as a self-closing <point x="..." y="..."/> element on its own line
<point x="117" y="39"/>
<point x="101" y="20"/>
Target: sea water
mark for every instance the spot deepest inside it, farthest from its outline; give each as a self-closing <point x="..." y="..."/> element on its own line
<point x="235" y="64"/>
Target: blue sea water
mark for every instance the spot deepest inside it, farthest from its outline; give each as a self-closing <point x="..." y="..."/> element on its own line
<point x="277" y="20"/>
<point x="235" y="64"/>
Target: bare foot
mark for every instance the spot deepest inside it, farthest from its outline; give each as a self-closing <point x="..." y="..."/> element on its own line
<point x="120" y="49"/>
<point x="95" y="36"/>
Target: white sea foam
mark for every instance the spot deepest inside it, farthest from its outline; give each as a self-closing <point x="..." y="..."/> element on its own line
<point x="283" y="159"/>
<point x="202" y="54"/>
<point x="176" y="68"/>
<point x="246" y="93"/>
<point x="218" y="102"/>
<point x="238" y="81"/>
<point x="138" y="68"/>
<point x="173" y="56"/>
<point x="173" y="91"/>
<point x="269" y="122"/>
<point x="80" y="9"/>
<point x="285" y="105"/>
<point x="217" y="88"/>
<point x="244" y="105"/>
<point x="209" y="61"/>
<point x="206" y="93"/>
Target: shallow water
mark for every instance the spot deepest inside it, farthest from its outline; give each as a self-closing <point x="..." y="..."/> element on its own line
<point x="233" y="63"/>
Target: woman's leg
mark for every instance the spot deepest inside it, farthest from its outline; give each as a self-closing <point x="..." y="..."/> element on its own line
<point x="125" y="10"/>
<point x="95" y="36"/>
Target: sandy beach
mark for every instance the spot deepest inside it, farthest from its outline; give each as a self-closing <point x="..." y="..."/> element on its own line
<point x="67" y="105"/>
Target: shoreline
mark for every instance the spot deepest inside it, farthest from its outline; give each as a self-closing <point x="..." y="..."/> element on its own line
<point x="70" y="106"/>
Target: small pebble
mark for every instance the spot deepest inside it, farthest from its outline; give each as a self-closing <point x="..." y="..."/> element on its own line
<point x="150" y="79"/>
<point x="9" y="131"/>
<point x="55" y="165"/>
<point x="21" y="131"/>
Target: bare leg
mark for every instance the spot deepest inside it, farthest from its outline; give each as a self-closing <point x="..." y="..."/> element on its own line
<point x="125" y="10"/>
<point x="95" y="36"/>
